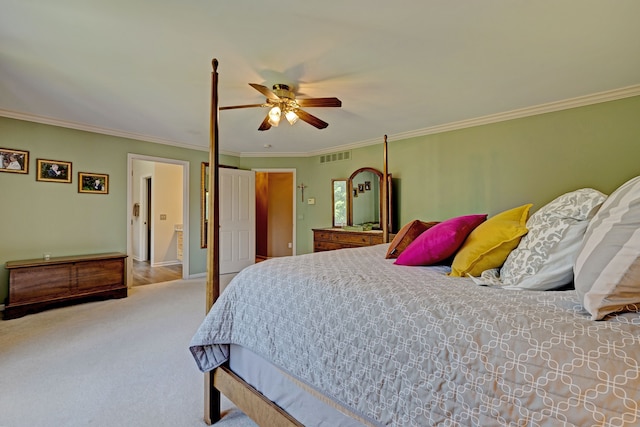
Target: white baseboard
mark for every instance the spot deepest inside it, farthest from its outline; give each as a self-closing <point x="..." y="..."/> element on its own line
<point x="165" y="263"/>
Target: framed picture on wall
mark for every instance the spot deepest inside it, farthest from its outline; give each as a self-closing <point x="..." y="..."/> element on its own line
<point x="53" y="171"/>
<point x="14" y="161"/>
<point x="96" y="183"/>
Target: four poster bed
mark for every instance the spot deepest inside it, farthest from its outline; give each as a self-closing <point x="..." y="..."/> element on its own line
<point x="355" y="337"/>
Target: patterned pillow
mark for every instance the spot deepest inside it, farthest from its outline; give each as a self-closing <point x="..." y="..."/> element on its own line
<point x="440" y="241"/>
<point x="489" y="245"/>
<point x="406" y="235"/>
<point x="544" y="258"/>
<point x="607" y="268"/>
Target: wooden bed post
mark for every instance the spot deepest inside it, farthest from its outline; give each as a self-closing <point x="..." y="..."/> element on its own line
<point x="246" y="398"/>
<point x="385" y="195"/>
<point x="211" y="395"/>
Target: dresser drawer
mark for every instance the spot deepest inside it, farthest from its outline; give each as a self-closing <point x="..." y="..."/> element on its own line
<point x="322" y="236"/>
<point x="328" y="246"/>
<point x="353" y="238"/>
<point x="328" y="239"/>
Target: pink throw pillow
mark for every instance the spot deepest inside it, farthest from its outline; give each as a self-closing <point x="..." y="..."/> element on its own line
<point x="440" y="241"/>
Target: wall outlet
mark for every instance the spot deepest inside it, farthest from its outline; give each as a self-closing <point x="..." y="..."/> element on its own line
<point x="163" y="217"/>
<point x="311" y="201"/>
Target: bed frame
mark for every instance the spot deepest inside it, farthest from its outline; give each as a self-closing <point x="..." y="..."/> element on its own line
<point x="222" y="380"/>
<point x="250" y="401"/>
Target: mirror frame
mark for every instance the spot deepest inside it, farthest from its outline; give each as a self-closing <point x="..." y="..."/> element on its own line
<point x="204" y="221"/>
<point x="350" y="190"/>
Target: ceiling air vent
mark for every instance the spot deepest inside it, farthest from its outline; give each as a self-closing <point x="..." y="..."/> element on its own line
<point x="334" y="157"/>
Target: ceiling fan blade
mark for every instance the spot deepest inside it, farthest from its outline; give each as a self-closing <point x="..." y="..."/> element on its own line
<point x="319" y="102"/>
<point x="235" y="107"/>
<point x="312" y="120"/>
<point x="265" y="91"/>
<point x="265" y="125"/>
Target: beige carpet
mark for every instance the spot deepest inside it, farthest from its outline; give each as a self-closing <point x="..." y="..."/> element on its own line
<point x="110" y="363"/>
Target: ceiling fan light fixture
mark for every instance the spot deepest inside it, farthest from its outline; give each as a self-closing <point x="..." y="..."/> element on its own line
<point x="274" y="116"/>
<point x="282" y="101"/>
<point x="291" y="116"/>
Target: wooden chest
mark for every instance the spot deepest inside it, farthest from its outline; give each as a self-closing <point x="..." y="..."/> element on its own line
<point x="37" y="284"/>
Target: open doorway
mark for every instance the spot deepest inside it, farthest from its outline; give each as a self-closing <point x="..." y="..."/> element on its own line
<point x="275" y="213"/>
<point x="157" y="236"/>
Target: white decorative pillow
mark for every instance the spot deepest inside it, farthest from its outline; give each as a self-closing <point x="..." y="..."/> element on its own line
<point x="607" y="269"/>
<point x="544" y="258"/>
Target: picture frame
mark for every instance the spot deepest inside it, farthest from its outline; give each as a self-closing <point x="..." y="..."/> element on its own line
<point x="14" y="161"/>
<point x="53" y="171"/>
<point x="360" y="188"/>
<point x="367" y="185"/>
<point x="94" y="183"/>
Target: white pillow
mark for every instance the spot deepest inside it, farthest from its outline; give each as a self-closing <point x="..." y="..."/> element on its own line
<point x="544" y="258"/>
<point x="607" y="269"/>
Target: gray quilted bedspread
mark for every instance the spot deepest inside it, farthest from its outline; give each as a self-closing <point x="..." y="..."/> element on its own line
<point x="411" y="346"/>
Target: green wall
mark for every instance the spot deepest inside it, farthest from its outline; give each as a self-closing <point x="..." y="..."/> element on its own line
<point x="531" y="160"/>
<point x="483" y="169"/>
<point x="38" y="217"/>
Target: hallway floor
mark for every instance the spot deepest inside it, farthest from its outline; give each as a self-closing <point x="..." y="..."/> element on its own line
<point x="144" y="274"/>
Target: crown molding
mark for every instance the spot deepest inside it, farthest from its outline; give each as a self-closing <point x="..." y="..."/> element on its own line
<point x="581" y="101"/>
<point x="96" y="129"/>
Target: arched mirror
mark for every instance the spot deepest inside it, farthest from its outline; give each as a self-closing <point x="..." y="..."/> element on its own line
<point x="365" y="198"/>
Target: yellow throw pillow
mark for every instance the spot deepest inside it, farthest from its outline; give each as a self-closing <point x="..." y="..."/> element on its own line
<point x="491" y="242"/>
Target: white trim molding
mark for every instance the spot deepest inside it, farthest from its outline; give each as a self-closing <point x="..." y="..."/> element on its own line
<point x="96" y="129"/>
<point x="580" y="101"/>
<point x="535" y="110"/>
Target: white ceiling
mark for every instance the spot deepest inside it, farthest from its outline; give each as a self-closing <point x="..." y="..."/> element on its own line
<point x="142" y="68"/>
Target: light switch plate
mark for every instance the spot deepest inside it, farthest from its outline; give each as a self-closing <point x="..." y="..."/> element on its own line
<point x="311" y="201"/>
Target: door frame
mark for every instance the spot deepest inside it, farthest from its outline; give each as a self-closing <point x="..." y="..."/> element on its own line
<point x="185" y="209"/>
<point x="293" y="198"/>
<point x="146" y="238"/>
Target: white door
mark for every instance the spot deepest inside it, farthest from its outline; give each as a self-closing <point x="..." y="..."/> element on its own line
<point x="237" y="219"/>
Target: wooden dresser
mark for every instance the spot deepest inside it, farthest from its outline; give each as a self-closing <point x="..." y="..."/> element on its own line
<point x="328" y="239"/>
<point x="37" y="284"/>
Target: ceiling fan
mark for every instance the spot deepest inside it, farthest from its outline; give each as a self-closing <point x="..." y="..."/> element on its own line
<point x="282" y="101"/>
